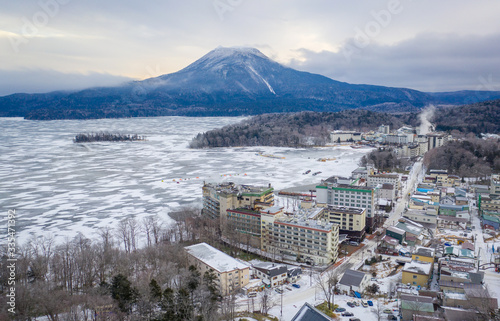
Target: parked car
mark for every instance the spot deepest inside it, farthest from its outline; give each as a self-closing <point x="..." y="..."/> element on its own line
<point x="347" y="314"/>
<point x="364" y="304"/>
<point x="340" y="309"/>
<point x="351" y="305"/>
<point x="252" y="294"/>
<point x="354" y="243"/>
<point x="392" y="317"/>
<point x="307" y="172"/>
<point x="388" y="311"/>
<point x="296" y="286"/>
<point x="354" y="319"/>
<point x="280" y="291"/>
<point x="370" y="303"/>
<point x="316" y="173"/>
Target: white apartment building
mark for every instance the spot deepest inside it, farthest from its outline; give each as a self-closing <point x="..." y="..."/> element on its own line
<point x="376" y="179"/>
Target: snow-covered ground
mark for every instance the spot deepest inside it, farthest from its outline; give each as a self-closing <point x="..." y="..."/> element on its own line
<point x="60" y="188"/>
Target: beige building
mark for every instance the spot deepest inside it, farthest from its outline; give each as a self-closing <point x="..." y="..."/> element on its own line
<point x="495" y="184"/>
<point x="417" y="273"/>
<point x="351" y="220"/>
<point x="313" y="241"/>
<point x="231" y="274"/>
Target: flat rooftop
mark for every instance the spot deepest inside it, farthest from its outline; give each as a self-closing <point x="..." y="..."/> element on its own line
<point x="418" y="267"/>
<point x="219" y="261"/>
<point x="346" y="210"/>
<point x="232" y="188"/>
<point x="306" y="224"/>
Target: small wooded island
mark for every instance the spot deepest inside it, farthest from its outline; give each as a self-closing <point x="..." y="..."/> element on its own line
<point x="106" y="137"/>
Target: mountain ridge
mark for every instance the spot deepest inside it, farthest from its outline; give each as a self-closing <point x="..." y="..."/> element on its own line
<point x="224" y="82"/>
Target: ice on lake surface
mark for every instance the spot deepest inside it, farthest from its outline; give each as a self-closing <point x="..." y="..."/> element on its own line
<point x="60" y="188"/>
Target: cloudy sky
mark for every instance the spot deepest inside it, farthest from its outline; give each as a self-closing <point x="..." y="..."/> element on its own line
<point x="426" y="45"/>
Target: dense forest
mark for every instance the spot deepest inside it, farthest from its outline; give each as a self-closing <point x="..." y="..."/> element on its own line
<point x="476" y="118"/>
<point x="471" y="157"/>
<point x="297" y="129"/>
<point x="136" y="271"/>
<point x="105" y="137"/>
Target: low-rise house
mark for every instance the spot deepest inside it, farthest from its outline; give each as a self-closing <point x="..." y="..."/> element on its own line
<point x="444" y="221"/>
<point x="451" y="210"/>
<point x="491" y="222"/>
<point x="460" y="252"/>
<point x="455" y="299"/>
<point x="459" y="264"/>
<point x="417" y="273"/>
<point x="293" y="274"/>
<point x="416" y="304"/>
<point x="353" y="281"/>
<point x="413" y="235"/>
<point x="231" y="274"/>
<point x="447" y="200"/>
<point x="309" y="313"/>
<point x="453" y="314"/>
<point x="459" y="287"/>
<point x="481" y="300"/>
<point x="477" y="299"/>
<point x="479" y="189"/>
<point x="396" y="233"/>
<point x="424" y="254"/>
<point x="388" y="245"/>
<point x="271" y="274"/>
<point x="461" y="200"/>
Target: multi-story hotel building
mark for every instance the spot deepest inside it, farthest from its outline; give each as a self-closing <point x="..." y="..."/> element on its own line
<point x="253" y="224"/>
<point x="313" y="241"/>
<point x="351" y="220"/>
<point x="218" y="198"/>
<point x="348" y="196"/>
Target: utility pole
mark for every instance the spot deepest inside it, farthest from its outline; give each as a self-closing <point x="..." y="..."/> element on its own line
<point x="281" y="309"/>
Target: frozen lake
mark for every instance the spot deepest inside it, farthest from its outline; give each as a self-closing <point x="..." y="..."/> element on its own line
<point x="60" y="188"/>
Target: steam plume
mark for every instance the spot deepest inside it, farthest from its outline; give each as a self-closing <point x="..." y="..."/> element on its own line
<point x="425" y="117"/>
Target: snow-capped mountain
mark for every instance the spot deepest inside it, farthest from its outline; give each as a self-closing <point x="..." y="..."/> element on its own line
<point x="224" y="82"/>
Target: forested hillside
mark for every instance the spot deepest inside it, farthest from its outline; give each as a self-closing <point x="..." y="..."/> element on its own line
<point x="109" y="277"/>
<point x="312" y="128"/>
<point x="472" y="157"/>
<point x="297" y="129"/>
<point x="476" y="118"/>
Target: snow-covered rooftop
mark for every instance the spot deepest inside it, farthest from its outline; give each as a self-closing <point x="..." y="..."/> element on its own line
<point x="214" y="258"/>
<point x="418" y="267"/>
